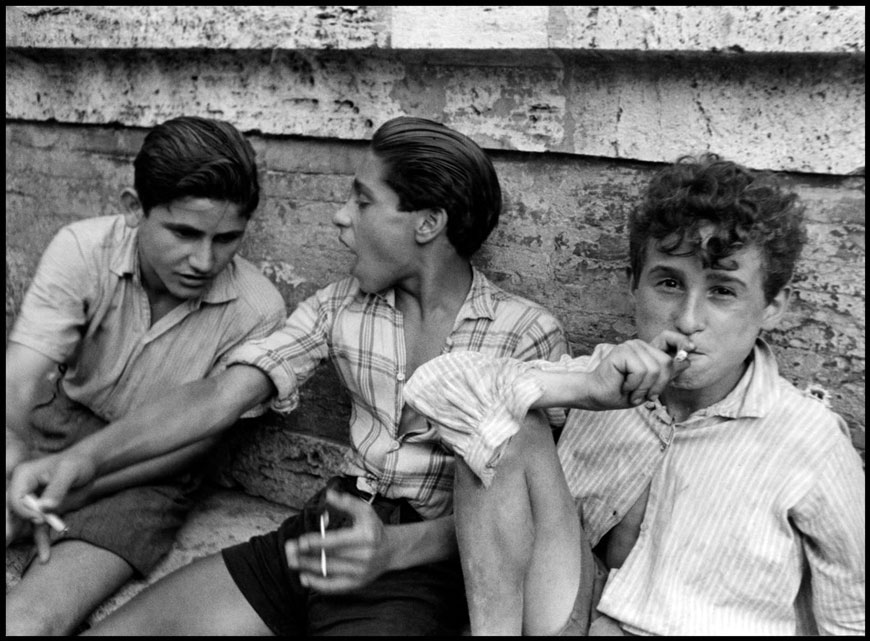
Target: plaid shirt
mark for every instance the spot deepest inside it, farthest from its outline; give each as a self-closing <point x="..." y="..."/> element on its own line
<point x="362" y="334"/>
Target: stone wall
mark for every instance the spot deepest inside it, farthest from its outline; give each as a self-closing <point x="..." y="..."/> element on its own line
<point x="577" y="105"/>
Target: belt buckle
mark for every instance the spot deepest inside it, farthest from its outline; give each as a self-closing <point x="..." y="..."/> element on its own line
<point x="366" y="486"/>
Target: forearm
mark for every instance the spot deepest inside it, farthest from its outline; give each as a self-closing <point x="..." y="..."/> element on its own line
<point x="141" y="473"/>
<point x="419" y="543"/>
<point x="190" y="413"/>
<point x="562" y="389"/>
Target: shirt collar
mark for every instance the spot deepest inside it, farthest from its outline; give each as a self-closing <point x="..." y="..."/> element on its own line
<point x="478" y="302"/>
<point x="754" y="394"/>
<point x="125" y="261"/>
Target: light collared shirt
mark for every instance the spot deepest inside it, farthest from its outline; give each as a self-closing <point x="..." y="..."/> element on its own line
<point x="743" y="495"/>
<point x="362" y="334"/>
<point x="87" y="308"/>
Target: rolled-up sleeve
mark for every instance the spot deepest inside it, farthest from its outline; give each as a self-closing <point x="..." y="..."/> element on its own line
<point x="476" y="402"/>
<point x="290" y="355"/>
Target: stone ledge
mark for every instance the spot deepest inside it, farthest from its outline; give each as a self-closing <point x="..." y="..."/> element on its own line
<point x="222" y="518"/>
<point x="763" y="29"/>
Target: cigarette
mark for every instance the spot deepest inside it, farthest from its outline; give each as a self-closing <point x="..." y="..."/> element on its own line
<point x="324" y="519"/>
<point x="52" y="519"/>
<point x="681" y="356"/>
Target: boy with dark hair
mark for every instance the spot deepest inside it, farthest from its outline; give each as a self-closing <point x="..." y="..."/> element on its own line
<point x="423" y="201"/>
<point x="121" y="310"/>
<point x="709" y="486"/>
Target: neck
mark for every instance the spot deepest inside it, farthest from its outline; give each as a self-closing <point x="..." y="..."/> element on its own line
<point x="435" y="291"/>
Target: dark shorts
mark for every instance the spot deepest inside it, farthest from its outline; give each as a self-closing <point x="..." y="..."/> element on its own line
<point x="420" y="601"/>
<point x="138" y="524"/>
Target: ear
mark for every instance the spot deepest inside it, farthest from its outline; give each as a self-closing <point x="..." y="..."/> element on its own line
<point x="131" y="207"/>
<point x="430" y="224"/>
<point x="629" y="281"/>
<point x="776" y="309"/>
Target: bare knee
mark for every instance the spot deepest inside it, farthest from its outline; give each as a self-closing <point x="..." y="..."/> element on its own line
<point x="25" y="618"/>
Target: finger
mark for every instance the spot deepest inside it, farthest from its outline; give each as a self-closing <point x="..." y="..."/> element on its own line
<point x="42" y="540"/>
<point x="672" y="343"/>
<point x="329" y="584"/>
<point x="643" y="366"/>
<point x="59" y="484"/>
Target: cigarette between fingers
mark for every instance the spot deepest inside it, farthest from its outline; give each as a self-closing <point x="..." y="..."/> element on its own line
<point x="323" y="536"/>
<point x="681" y="356"/>
<point x="53" y="520"/>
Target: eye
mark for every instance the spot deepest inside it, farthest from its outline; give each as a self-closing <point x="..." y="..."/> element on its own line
<point x="184" y="233"/>
<point x="227" y="239"/>
<point x="668" y="283"/>
<point x="723" y="292"/>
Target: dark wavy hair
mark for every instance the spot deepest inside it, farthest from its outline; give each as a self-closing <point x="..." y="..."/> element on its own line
<point x="745" y="208"/>
<point x="196" y="157"/>
<point x="429" y="165"/>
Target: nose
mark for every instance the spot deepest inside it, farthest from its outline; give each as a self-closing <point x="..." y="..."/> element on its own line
<point x="202" y="258"/>
<point x="341" y="218"/>
<point x="691" y="315"/>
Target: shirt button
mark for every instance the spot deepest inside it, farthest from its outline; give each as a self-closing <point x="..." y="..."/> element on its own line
<point x="400" y="377"/>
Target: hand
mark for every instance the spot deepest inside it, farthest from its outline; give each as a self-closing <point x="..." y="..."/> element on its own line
<point x="16" y="452"/>
<point x="355" y="555"/>
<point x="51" y="478"/>
<point x="637" y="371"/>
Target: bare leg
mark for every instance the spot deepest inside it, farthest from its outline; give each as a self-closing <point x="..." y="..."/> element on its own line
<point x="200" y="599"/>
<point x="54" y="598"/>
<point x="518" y="539"/>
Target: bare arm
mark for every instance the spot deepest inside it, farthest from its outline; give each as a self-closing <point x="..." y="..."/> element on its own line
<point x="631" y="373"/>
<point x="27" y="378"/>
<point x="188" y="414"/>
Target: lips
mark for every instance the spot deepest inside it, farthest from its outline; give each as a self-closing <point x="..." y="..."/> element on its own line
<point x="193" y="281"/>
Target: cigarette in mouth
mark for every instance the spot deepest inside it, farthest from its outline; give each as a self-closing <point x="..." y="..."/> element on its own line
<point x="52" y="519"/>
<point x="681" y="356"/>
<point x="324" y="519"/>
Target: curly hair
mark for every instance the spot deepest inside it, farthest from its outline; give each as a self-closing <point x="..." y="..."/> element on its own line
<point x="745" y="207"/>
<point x="429" y="165"/>
<point x="196" y="157"/>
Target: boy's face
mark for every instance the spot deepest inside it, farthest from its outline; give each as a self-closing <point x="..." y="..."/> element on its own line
<point x="721" y="311"/>
<point x="185" y="244"/>
<point x="372" y="227"/>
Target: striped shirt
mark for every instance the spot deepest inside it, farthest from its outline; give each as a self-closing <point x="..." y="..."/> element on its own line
<point x="362" y="333"/>
<point x="87" y="308"/>
<point x="745" y="495"/>
<point x="742" y="495"/>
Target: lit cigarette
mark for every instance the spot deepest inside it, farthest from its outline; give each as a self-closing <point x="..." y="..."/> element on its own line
<point x="52" y="519"/>
<point x="324" y="519"/>
<point x="681" y="356"/>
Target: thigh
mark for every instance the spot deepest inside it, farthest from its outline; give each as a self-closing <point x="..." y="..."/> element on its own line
<point x="55" y="597"/>
<point x="198" y="599"/>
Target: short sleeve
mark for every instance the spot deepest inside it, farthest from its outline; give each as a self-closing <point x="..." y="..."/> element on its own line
<point x="54" y="310"/>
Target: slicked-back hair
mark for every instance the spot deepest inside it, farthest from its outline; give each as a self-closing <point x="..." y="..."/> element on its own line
<point x="745" y="207"/>
<point x="193" y="157"/>
<point x="431" y="166"/>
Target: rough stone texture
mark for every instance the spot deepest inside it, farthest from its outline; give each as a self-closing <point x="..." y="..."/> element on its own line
<point x="793" y="113"/>
<point x="561" y="242"/>
<point x="792" y="29"/>
<point x="222" y="518"/>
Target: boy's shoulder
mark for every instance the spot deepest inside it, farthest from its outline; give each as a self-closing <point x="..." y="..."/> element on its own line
<point x="810" y="409"/>
<point x="253" y="288"/>
<point x="514" y="306"/>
